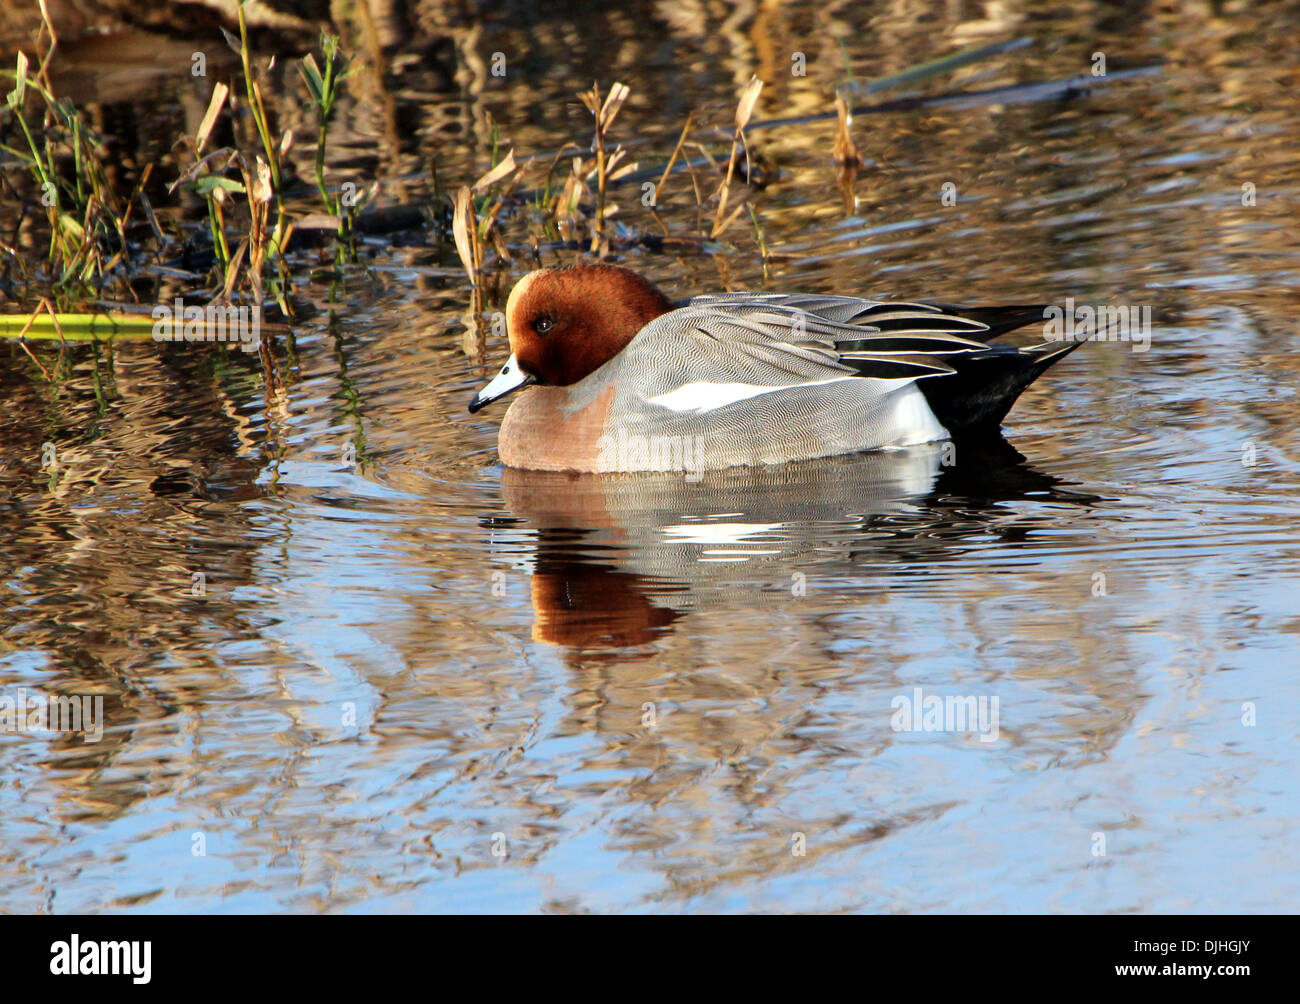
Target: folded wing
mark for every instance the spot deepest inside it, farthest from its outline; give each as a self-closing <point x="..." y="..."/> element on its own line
<point x="731" y="341"/>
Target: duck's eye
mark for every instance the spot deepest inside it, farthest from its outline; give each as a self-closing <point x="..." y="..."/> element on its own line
<point x="542" y="325"/>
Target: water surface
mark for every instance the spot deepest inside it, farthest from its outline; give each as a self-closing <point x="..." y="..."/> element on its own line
<point x="422" y="682"/>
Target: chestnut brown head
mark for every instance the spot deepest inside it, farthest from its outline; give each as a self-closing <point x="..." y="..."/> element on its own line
<point x="565" y="323"/>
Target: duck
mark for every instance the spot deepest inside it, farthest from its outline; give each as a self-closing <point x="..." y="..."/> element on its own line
<point x="614" y="377"/>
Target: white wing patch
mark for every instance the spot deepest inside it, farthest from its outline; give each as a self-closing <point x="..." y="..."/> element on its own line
<point x="719" y="533"/>
<point x="706" y="396"/>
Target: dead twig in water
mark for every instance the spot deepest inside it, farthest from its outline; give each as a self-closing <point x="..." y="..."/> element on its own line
<point x="604" y="114"/>
<point x="744" y="111"/>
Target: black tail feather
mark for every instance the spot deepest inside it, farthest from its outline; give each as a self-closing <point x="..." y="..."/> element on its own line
<point x="974" y="400"/>
<point x="999" y="319"/>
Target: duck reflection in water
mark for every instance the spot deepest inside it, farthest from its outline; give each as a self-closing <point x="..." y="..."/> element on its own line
<point x="618" y="560"/>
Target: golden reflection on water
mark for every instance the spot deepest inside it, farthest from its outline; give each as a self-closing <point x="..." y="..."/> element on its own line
<point x="387" y="665"/>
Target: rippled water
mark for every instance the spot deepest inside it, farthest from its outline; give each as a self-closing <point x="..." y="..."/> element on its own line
<point x="428" y="683"/>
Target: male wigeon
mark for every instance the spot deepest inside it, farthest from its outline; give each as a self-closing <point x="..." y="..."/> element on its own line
<point x="619" y="378"/>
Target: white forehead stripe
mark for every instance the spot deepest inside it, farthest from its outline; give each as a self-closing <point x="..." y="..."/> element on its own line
<point x="705" y="396"/>
<point x="512" y="301"/>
